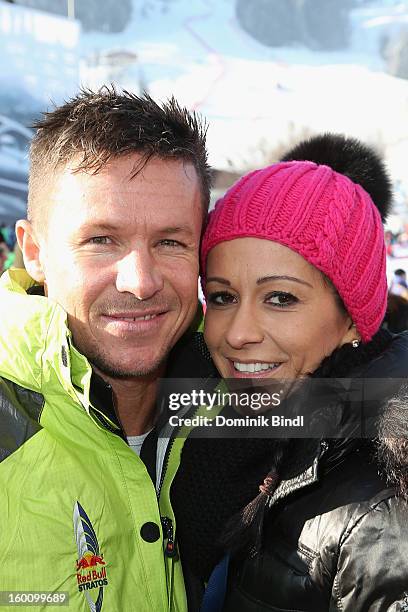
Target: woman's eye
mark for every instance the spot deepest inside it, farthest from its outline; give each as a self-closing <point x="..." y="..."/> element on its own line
<point x="281" y="299"/>
<point x="221" y="298"/>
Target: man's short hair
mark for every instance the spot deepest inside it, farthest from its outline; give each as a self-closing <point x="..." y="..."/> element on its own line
<point x="95" y="127"/>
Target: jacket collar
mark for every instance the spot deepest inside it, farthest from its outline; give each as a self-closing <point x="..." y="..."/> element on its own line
<point x="36" y="348"/>
<point x="53" y="364"/>
<point x="303" y="478"/>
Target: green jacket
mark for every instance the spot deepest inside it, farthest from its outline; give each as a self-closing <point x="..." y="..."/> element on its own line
<point x="74" y="498"/>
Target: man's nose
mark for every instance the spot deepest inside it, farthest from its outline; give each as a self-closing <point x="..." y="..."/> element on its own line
<point x="139" y="274"/>
<point x="244" y="327"/>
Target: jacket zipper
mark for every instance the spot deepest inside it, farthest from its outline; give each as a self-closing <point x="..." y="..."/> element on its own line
<point x="170" y="551"/>
<point x="167" y="524"/>
<point x="167" y="455"/>
<point x="165" y="466"/>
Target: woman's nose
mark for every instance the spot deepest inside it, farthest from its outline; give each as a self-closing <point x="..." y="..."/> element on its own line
<point x="244" y="328"/>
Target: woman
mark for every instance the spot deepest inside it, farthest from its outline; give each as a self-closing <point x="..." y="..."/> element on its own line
<point x="293" y="265"/>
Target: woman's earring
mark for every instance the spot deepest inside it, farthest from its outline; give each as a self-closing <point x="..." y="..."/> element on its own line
<point x="355" y="343"/>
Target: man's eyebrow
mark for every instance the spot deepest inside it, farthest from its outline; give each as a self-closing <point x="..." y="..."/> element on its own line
<point x="109" y="227"/>
<point x="272" y="277"/>
<point x="218" y="279"/>
<point x="177" y="229"/>
<point x="101" y="226"/>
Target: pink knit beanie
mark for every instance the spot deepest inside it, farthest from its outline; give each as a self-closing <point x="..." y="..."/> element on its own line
<point x="321" y="214"/>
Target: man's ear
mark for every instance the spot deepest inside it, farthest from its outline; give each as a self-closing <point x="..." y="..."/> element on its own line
<point x="30" y="248"/>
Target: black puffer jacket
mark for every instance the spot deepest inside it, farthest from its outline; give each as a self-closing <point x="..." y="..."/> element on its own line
<point x="336" y="538"/>
<point x="335" y="533"/>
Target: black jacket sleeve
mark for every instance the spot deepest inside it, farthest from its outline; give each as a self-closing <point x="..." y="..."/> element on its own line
<point x="372" y="568"/>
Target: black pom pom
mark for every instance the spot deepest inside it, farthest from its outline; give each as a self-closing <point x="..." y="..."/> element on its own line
<point x="350" y="157"/>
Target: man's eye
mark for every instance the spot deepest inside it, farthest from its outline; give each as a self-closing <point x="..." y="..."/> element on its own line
<point x="100" y="240"/>
<point x="221" y="298"/>
<point x="167" y="242"/>
<point x="281" y="299"/>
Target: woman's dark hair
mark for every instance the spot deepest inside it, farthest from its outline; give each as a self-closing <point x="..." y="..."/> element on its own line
<point x="243" y="533"/>
<point x="339" y="301"/>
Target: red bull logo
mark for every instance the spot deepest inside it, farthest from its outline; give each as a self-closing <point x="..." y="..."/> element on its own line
<point x="90" y="572"/>
<point x="89" y="560"/>
<point x="90" y="567"/>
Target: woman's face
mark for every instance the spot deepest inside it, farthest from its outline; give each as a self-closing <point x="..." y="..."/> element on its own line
<point x="270" y="313"/>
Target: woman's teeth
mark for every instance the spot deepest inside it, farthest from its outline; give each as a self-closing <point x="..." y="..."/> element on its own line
<point x="250" y="368"/>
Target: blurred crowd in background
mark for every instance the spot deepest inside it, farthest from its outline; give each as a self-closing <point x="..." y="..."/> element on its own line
<point x="10" y="253"/>
<point x="7" y="246"/>
<point x="397" y="260"/>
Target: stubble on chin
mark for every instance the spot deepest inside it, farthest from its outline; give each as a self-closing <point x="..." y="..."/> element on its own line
<point x="107" y="365"/>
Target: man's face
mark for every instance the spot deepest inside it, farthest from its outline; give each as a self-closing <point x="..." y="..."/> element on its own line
<point x="120" y="255"/>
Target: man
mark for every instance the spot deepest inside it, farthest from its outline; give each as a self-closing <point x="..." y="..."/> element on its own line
<point x="399" y="284"/>
<point x="119" y="187"/>
<point x="401" y="277"/>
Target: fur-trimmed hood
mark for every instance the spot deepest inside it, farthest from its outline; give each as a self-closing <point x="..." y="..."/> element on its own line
<point x="386" y="357"/>
<point x="393" y="441"/>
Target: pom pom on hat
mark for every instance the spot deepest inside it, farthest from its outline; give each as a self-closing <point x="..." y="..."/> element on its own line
<point x="350" y="157"/>
<point x="322" y="214"/>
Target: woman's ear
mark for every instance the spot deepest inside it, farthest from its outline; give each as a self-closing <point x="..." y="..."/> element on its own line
<point x="351" y="336"/>
<point x="30" y="247"/>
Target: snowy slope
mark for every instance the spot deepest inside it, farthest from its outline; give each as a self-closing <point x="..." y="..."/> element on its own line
<point x="254" y="96"/>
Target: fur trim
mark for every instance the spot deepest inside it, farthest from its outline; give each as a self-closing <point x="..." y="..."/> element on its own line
<point x="393" y="441"/>
<point x="352" y="158"/>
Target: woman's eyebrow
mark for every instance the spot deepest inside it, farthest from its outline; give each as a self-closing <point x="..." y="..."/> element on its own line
<point x="265" y="279"/>
<point x="218" y="279"/>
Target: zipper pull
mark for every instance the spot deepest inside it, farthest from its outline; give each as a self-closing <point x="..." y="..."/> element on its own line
<point x="167" y="524"/>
